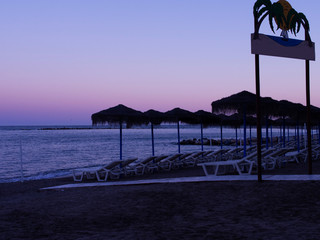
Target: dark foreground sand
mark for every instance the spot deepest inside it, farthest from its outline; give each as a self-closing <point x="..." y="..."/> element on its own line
<point x="215" y="210"/>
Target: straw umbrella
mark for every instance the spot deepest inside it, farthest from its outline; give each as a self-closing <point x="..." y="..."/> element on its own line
<point x="119" y="114"/>
<point x="206" y="119"/>
<point x="180" y="115"/>
<point x="242" y="103"/>
<point x="155" y="118"/>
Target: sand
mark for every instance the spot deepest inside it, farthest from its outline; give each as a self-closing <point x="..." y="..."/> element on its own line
<point x="211" y="210"/>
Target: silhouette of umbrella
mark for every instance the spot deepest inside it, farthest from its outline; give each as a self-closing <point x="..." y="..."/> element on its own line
<point x="119" y="114"/>
<point x="155" y="118"/>
<point x="180" y="115"/>
<point x="206" y="119"/>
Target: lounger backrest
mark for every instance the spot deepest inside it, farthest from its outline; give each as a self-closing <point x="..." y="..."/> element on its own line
<point x="128" y="161"/>
<point x="146" y="160"/>
<point x="195" y="155"/>
<point x="113" y="164"/>
<point x="159" y="158"/>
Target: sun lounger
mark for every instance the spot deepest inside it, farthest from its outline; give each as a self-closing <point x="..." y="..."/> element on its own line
<point x="114" y="169"/>
<point x="138" y="168"/>
<point x="240" y="165"/>
<point x="167" y="163"/>
<point x="93" y="172"/>
<point x="192" y="160"/>
<point x="273" y="160"/>
<point x="123" y="168"/>
<point x="235" y="164"/>
<point x="154" y="164"/>
<point x="216" y="155"/>
<point x="296" y="156"/>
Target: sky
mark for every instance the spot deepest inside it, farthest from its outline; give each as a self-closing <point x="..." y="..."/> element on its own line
<point x="63" y="60"/>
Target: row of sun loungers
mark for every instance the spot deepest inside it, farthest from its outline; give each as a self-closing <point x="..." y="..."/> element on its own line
<point x="211" y="162"/>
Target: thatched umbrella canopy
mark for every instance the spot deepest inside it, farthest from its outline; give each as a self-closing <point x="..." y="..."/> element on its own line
<point x="119" y="114"/>
<point x="206" y="119"/>
<point x="155" y="118"/>
<point x="237" y="103"/>
<point x="180" y="115"/>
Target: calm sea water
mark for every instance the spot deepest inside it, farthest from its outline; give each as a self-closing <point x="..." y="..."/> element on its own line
<point x="43" y="152"/>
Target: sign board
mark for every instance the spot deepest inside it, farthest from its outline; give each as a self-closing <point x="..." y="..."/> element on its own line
<point x="281" y="47"/>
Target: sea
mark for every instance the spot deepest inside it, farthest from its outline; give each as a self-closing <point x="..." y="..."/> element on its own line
<point x="41" y="152"/>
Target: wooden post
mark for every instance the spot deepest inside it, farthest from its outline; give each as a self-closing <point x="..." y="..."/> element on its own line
<point x="308" y="117"/>
<point x="258" y="110"/>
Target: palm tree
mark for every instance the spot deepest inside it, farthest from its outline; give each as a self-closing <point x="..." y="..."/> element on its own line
<point x="292" y="22"/>
<point x="264" y="8"/>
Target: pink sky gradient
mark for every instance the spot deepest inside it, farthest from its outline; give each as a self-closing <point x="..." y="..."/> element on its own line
<point x="62" y="61"/>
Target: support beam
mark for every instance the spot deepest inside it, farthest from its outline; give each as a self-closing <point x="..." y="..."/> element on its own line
<point x="258" y="110"/>
<point x="308" y="117"/>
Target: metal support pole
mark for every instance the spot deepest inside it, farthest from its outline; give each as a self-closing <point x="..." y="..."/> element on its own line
<point x="152" y="139"/>
<point x="201" y="136"/>
<point x="236" y="137"/>
<point x="271" y="141"/>
<point x="178" y="126"/>
<point x="120" y="140"/>
<point x="244" y="135"/>
<point x="267" y="133"/>
<point x="258" y="110"/>
<point x="308" y="117"/>
<point x="221" y="143"/>
<point x="284" y="132"/>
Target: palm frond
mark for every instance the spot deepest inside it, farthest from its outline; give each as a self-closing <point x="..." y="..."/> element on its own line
<point x="262" y="11"/>
<point x="306" y="22"/>
<point x="277" y="13"/>
<point x="257" y="12"/>
<point x="271" y="22"/>
<point x="290" y="17"/>
<point x="293" y="24"/>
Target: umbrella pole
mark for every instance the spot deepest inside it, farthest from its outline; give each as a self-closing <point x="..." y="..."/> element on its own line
<point x="284" y="132"/>
<point x="267" y="133"/>
<point x="236" y="137"/>
<point x="201" y="125"/>
<point x="221" y="136"/>
<point x="120" y="140"/>
<point x="178" y="126"/>
<point x="308" y="117"/>
<point x="271" y="140"/>
<point x="298" y="138"/>
<point x="258" y="110"/>
<point x="244" y="135"/>
<point x="152" y="139"/>
<point x="319" y="133"/>
<point x="250" y="136"/>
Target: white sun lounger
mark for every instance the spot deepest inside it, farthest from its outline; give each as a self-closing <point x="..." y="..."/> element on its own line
<point x="101" y="173"/>
<point x="234" y="163"/>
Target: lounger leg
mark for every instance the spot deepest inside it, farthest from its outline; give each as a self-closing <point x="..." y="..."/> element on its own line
<point x="217" y="169"/>
<point x="238" y="169"/>
<point x="205" y="170"/>
<point x="102" y="179"/>
<point x="250" y="168"/>
<point x="77" y="178"/>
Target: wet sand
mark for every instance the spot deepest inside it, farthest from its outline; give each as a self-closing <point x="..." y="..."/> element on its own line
<point x="211" y="210"/>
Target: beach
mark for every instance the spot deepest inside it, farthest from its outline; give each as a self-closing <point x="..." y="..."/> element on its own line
<point x="204" y="210"/>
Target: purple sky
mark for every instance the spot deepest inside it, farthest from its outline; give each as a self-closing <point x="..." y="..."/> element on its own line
<point x="63" y="60"/>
